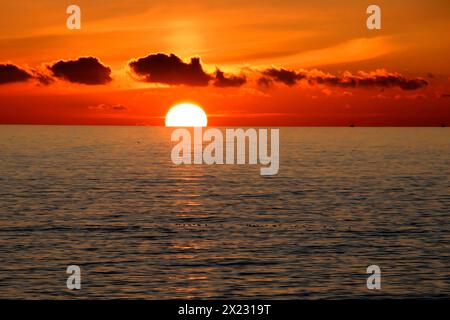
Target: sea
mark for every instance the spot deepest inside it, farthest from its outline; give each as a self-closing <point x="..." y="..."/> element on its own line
<point x="111" y="201"/>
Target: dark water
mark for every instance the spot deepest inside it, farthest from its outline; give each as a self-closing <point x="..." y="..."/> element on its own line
<point x="109" y="200"/>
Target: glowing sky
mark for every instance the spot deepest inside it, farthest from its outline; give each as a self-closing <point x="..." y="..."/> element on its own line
<point x="280" y="62"/>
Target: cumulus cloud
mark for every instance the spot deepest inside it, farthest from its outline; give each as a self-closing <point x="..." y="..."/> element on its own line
<point x="10" y="73"/>
<point x="169" y="69"/>
<point x="85" y="70"/>
<point x="287" y="77"/>
<point x="228" y="81"/>
<point x="378" y="78"/>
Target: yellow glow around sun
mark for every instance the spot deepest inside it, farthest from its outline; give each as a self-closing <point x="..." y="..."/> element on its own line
<point x="186" y="115"/>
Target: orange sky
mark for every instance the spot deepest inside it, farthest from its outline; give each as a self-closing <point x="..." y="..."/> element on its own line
<point x="283" y="62"/>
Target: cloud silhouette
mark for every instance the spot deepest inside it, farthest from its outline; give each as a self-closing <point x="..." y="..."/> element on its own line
<point x="85" y="70"/>
<point x="287" y="77"/>
<point x="169" y="69"/>
<point x="378" y="78"/>
<point x="264" y="82"/>
<point x="108" y="107"/>
<point x="42" y="78"/>
<point x="10" y="73"/>
<point x="231" y="81"/>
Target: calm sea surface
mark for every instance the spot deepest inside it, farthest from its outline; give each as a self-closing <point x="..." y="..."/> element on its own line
<point x="109" y="200"/>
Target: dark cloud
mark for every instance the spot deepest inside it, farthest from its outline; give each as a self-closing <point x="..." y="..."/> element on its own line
<point x="42" y="78"/>
<point x="10" y="73"/>
<point x="86" y="70"/>
<point x="119" y="107"/>
<point x="169" y="69"/>
<point x="108" y="107"/>
<point x="264" y="82"/>
<point x="231" y="81"/>
<point x="287" y="77"/>
<point x="382" y="78"/>
<point x="378" y="78"/>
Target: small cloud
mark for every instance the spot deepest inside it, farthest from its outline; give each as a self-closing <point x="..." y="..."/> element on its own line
<point x="415" y="96"/>
<point x="380" y="96"/>
<point x="43" y="79"/>
<point x="108" y="107"/>
<point x="119" y="107"/>
<point x="287" y="77"/>
<point x="231" y="81"/>
<point x="264" y="82"/>
<point x="347" y="94"/>
<point x="85" y="70"/>
<point x="10" y="73"/>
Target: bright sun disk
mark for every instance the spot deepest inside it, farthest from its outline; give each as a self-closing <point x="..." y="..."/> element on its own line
<point x="186" y="115"/>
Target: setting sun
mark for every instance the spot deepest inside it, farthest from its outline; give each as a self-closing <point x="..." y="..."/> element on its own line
<point x="186" y="115"/>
